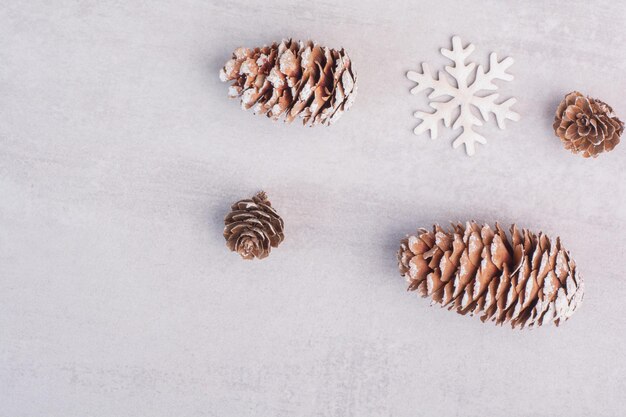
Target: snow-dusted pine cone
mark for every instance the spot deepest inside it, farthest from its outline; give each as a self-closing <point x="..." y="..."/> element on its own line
<point x="586" y="125"/>
<point x="292" y="79"/>
<point x="253" y="227"/>
<point x="525" y="279"/>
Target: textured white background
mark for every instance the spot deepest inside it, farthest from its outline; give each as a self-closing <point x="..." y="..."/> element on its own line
<point x="120" y="155"/>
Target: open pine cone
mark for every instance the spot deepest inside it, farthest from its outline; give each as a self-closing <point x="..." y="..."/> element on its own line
<point x="253" y="227"/>
<point x="527" y="279"/>
<point x="586" y="125"/>
<point x="292" y="79"/>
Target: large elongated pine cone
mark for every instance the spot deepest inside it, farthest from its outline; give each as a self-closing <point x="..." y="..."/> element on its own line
<point x="292" y="79"/>
<point x="586" y="125"/>
<point x="526" y="280"/>
<point x="253" y="227"/>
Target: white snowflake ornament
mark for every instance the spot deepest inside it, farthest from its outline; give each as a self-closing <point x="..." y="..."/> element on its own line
<point x="463" y="95"/>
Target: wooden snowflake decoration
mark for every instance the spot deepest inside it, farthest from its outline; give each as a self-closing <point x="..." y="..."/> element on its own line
<point x="463" y="93"/>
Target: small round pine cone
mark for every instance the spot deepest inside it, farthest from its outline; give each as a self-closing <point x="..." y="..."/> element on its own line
<point x="523" y="278"/>
<point x="586" y="125"/>
<point x="292" y="79"/>
<point x="253" y="227"/>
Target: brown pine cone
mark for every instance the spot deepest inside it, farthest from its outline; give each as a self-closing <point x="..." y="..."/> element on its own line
<point x="527" y="279"/>
<point x="253" y="227"/>
<point x="586" y="125"/>
<point x="292" y="79"/>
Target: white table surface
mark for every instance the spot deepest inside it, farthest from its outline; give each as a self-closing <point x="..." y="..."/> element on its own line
<point x="120" y="154"/>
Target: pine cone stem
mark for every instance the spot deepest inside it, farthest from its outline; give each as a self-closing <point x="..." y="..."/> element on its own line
<point x="262" y="195"/>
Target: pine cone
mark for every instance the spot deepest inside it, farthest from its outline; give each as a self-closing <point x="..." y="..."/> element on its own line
<point x="586" y="125"/>
<point x="292" y="79"/>
<point x="253" y="227"/>
<point x="527" y="280"/>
